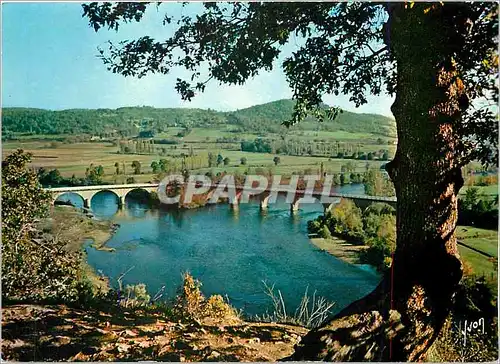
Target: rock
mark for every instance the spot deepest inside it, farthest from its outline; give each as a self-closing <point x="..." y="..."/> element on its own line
<point x="214" y="354"/>
<point x="79" y="357"/>
<point x="254" y="340"/>
<point x="63" y="340"/>
<point x="128" y="333"/>
<point x="122" y="348"/>
<point x="230" y="340"/>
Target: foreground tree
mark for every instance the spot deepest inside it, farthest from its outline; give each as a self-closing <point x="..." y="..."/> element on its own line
<point x="440" y="61"/>
<point x="35" y="266"/>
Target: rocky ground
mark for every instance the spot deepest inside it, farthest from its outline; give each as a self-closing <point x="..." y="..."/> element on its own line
<point x="60" y="333"/>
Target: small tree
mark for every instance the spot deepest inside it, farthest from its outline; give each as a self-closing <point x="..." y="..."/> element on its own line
<point x="276" y="160"/>
<point x="164" y="165"/>
<point x="227" y="161"/>
<point x="100" y="171"/>
<point x="243" y="161"/>
<point x="136" y="165"/>
<point x="117" y="168"/>
<point x="220" y="159"/>
<point x="212" y="160"/>
<point x="155" y="166"/>
<point x="471" y="198"/>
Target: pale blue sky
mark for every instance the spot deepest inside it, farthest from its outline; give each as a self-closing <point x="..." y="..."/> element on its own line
<point x="49" y="61"/>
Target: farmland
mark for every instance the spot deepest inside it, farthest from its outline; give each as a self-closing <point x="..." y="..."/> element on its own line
<point x="73" y="159"/>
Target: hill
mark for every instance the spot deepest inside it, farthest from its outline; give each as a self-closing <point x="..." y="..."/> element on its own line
<point x="265" y="118"/>
<point x="276" y="112"/>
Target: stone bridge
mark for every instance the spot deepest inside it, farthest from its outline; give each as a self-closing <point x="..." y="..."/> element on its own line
<point x="265" y="197"/>
<point x="87" y="192"/>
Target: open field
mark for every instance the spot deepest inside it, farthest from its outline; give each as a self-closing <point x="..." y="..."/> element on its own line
<point x="491" y="190"/>
<point x="483" y="240"/>
<point x="72" y="159"/>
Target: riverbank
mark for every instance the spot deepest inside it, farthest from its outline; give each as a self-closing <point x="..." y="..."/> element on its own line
<point x="339" y="248"/>
<point x="75" y="227"/>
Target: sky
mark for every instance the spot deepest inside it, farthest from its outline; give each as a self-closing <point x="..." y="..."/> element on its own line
<point x="49" y="61"/>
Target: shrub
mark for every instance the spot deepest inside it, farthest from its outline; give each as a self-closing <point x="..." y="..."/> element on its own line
<point x="379" y="249"/>
<point x="325" y="232"/>
<point x="135" y="295"/>
<point x="35" y="266"/>
<point x="312" y="311"/>
<point x="190" y="304"/>
<point x="345" y="220"/>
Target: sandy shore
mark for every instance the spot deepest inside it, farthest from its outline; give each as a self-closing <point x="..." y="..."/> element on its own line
<point x="339" y="248"/>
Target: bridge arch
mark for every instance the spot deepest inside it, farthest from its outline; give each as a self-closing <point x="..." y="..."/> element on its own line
<point x="109" y="191"/>
<point x="142" y="190"/>
<point x="75" y="198"/>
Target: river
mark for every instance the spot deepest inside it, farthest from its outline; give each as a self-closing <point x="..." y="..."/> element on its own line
<point x="230" y="252"/>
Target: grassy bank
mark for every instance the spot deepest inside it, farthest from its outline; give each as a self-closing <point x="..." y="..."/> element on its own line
<point x="485" y="241"/>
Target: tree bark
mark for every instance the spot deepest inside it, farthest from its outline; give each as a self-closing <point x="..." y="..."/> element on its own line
<point x="402" y="317"/>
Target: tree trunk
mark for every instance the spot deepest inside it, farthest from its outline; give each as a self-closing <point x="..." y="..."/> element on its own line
<point x="402" y="317"/>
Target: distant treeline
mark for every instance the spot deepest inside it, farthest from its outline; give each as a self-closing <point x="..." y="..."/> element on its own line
<point x="313" y="148"/>
<point x="131" y="121"/>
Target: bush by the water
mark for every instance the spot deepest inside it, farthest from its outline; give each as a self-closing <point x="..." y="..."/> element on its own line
<point x="376" y="228"/>
<point x="343" y="220"/>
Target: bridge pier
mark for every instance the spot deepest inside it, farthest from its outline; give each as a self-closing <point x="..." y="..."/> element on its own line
<point x="121" y="201"/>
<point x="86" y="203"/>
<point x="233" y="203"/>
<point x="264" y="202"/>
<point x="263" y="205"/>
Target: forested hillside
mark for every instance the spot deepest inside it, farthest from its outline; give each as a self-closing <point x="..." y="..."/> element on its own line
<point x="266" y="118"/>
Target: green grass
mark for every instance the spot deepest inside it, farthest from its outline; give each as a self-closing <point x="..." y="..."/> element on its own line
<point x="75" y="158"/>
<point x="484" y="240"/>
<point x="491" y="190"/>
